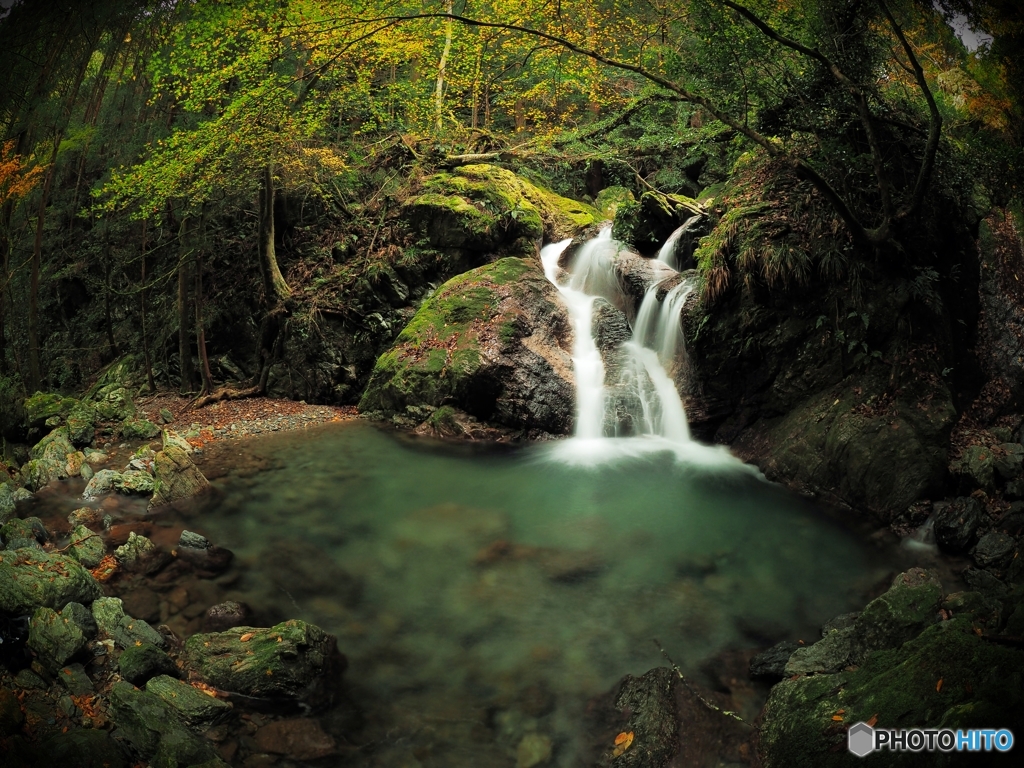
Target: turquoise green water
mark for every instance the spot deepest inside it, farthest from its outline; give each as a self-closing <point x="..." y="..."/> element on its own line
<point x="484" y="596"/>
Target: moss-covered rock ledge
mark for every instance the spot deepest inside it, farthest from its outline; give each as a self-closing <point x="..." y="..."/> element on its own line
<point x="494" y="343"/>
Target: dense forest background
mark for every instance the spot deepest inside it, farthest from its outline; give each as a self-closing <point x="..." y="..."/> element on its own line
<point x="216" y="188"/>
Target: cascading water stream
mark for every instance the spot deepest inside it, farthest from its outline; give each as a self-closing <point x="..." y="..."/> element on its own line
<point x="644" y="397"/>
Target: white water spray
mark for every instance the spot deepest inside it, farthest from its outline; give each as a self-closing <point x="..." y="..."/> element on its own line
<point x="641" y="411"/>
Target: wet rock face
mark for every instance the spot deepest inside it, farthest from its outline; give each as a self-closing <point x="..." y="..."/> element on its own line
<point x="290" y="663"/>
<point x="494" y="342"/>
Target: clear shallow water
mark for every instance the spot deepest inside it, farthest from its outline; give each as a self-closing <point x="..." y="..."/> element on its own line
<point x="465" y="587"/>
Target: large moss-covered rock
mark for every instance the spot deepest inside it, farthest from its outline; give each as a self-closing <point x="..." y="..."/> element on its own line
<point x="888" y="621"/>
<point x="982" y="685"/>
<point x="647" y="224"/>
<point x="834" y="443"/>
<point x="138" y="429"/>
<point x="81" y="424"/>
<point x="155" y="730"/>
<point x="176" y="477"/>
<point x="30" y="578"/>
<point x="113" y="402"/>
<point x="43" y="406"/>
<point x="52" y="458"/>
<point x="290" y="662"/>
<point x="193" y="707"/>
<point x="10" y="495"/>
<point x="494" y="342"/>
<point x="490" y="209"/>
<point x="86" y="547"/>
<point x="54" y="638"/>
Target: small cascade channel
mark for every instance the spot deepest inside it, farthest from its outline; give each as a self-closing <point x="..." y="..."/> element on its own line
<point x="633" y="406"/>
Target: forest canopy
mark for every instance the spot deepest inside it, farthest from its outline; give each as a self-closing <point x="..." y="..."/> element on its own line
<point x="150" y="147"/>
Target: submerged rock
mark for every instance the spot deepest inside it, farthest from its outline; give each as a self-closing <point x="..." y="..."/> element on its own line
<point x="299" y="739"/>
<point x="494" y="342"/>
<point x="289" y="663"/>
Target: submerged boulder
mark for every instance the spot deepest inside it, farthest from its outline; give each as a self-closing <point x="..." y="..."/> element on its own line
<point x="494" y="342"/>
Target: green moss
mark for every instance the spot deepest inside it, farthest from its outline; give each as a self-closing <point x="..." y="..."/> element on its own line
<point x="44" y="405"/>
<point x="981" y="687"/>
<point x="437" y="354"/>
<point x="484" y="207"/>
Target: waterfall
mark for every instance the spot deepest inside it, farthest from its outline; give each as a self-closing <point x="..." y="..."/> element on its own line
<point x="644" y="396"/>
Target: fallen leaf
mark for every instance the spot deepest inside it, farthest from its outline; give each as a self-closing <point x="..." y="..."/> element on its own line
<point x="622" y="742"/>
<point x="873" y="720"/>
<point x="246" y="637"/>
<point x="938" y="685"/>
<point x="837" y="718"/>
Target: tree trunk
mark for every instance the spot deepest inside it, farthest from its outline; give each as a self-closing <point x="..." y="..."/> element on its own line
<point x="275" y="288"/>
<point x="184" y="346"/>
<point x="35" y="377"/>
<point x="200" y="330"/>
<point x="142" y="312"/>
<point x="442" y="65"/>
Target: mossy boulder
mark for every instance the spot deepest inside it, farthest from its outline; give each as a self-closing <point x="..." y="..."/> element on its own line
<point x="494" y="342"/>
<point x="176" y="477"/>
<point x="947" y="677"/>
<point x="835" y="444"/>
<point x="113" y="402"/>
<point x="81" y="424"/>
<point x="489" y="209"/>
<point x="86" y="547"/>
<point x="154" y="729"/>
<point x="647" y="224"/>
<point x="138" y="429"/>
<point x="54" y="638"/>
<point x="193" y="707"/>
<point x="42" y="406"/>
<point x="291" y="662"/>
<point x="139" y="663"/>
<point x="30" y="578"/>
<point x="52" y="458"/>
<point x="10" y="495"/>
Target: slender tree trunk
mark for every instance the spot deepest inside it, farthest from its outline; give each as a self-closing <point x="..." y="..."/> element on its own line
<point x="200" y="330"/>
<point x="108" y="319"/>
<point x="142" y="312"/>
<point x="275" y="288"/>
<point x="442" y="65"/>
<point x="35" y="376"/>
<point x="184" y="346"/>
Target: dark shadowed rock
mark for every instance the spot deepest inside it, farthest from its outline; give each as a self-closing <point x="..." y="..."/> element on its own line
<point x="141" y="662"/>
<point x="771" y="664"/>
<point x="994" y="550"/>
<point x="957" y="522"/>
<point x="226" y="615"/>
